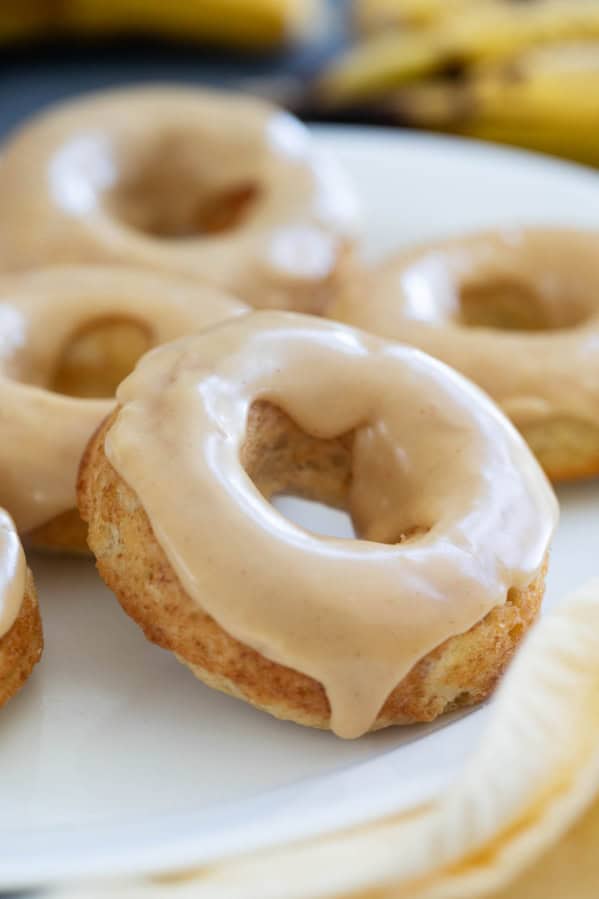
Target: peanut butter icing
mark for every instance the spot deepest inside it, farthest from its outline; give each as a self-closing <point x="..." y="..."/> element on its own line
<point x="44" y="433"/>
<point x="432" y="458"/>
<point x="547" y="369"/>
<point x="221" y="187"/>
<point x="12" y="573"/>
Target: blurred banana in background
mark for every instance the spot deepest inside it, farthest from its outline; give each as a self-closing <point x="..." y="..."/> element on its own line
<point x="374" y="15"/>
<point x="251" y="24"/>
<point x="522" y="72"/>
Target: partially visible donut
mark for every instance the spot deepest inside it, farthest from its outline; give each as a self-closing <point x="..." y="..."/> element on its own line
<point x="77" y="330"/>
<point x="21" y="640"/>
<point x="418" y="615"/>
<point x="515" y="310"/>
<point x="221" y="187"/>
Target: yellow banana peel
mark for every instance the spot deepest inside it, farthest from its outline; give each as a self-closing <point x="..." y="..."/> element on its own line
<point x="554" y="86"/>
<point x="547" y="100"/>
<point x="374" y="15"/>
<point x="244" y="23"/>
<point x="20" y="19"/>
<point x="378" y="66"/>
<point x="579" y="145"/>
<point x="499" y="31"/>
<point x="476" y="34"/>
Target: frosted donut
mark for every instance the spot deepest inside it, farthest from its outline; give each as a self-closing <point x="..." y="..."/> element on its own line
<point x="417" y="616"/>
<point x="517" y="311"/>
<point x="78" y="330"/>
<point x="220" y="187"/>
<point x="21" y="640"/>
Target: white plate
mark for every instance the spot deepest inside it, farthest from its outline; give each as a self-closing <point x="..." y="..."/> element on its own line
<point x="114" y="758"/>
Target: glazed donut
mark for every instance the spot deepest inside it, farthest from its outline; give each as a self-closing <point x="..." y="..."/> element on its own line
<point x="454" y="516"/>
<point x="21" y="640"/>
<point x="77" y="330"/>
<point x="517" y="312"/>
<point x="221" y="187"/>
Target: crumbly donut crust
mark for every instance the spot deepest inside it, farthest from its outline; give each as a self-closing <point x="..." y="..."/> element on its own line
<point x="21" y="648"/>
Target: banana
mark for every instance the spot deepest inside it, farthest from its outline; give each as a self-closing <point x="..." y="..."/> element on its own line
<point x="21" y="18"/>
<point x="547" y="100"/>
<point x="550" y="85"/>
<point x="244" y="23"/>
<point x="499" y="31"/>
<point x="577" y="144"/>
<point x="478" y="35"/>
<point x="379" y="65"/>
<point x="435" y="103"/>
<point x="374" y="15"/>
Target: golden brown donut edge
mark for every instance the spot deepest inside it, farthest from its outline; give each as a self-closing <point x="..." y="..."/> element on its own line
<point x="21" y="648"/>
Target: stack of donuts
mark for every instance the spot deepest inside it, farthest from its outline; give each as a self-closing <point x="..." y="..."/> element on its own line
<point x="187" y="330"/>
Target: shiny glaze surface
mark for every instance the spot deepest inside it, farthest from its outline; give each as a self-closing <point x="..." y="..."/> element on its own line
<point x="12" y="573"/>
<point x="103" y="175"/>
<point x="416" y="296"/>
<point x="429" y="452"/>
<point x="45" y="433"/>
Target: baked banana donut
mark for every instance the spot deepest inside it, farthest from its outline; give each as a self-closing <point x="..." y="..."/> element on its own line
<point x="76" y="330"/>
<point x="21" y="640"/>
<point x="418" y="615"/>
<point x="221" y="187"/>
<point x="517" y="311"/>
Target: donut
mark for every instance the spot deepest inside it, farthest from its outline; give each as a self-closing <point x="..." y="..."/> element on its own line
<point x="220" y="187"/>
<point x="21" y="640"/>
<point x="419" y="614"/>
<point x="69" y="334"/>
<point x="515" y="310"/>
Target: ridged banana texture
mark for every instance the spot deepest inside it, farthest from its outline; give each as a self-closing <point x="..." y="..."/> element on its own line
<point x="251" y="24"/>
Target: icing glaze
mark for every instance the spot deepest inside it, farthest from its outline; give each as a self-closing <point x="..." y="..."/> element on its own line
<point x="450" y="507"/>
<point x="418" y="296"/>
<point x="142" y="176"/>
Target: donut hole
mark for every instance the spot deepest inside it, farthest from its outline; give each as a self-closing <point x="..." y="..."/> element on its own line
<point x="510" y="305"/>
<point x="98" y="356"/>
<point x="164" y="199"/>
<point x="308" y="479"/>
<point x="315" y="516"/>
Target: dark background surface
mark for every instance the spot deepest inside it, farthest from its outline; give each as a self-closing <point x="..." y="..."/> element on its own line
<point x="32" y="76"/>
